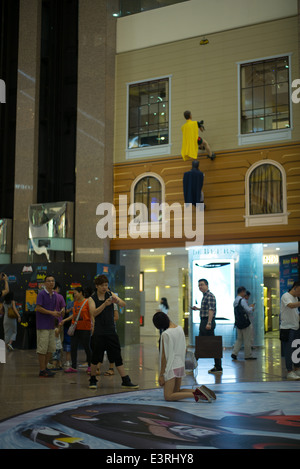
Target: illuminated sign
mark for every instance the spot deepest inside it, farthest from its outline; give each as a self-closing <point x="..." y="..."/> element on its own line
<point x="272" y="259"/>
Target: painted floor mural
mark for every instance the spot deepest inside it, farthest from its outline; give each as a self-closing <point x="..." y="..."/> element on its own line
<point x="244" y="416"/>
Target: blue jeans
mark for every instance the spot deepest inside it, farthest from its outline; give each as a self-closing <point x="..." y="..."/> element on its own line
<point x="288" y="349"/>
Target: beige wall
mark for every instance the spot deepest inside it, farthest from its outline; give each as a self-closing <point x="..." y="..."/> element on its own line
<point x="195" y="17"/>
<point x="204" y="79"/>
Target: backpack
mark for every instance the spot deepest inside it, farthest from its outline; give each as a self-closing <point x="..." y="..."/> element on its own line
<point x="241" y="316"/>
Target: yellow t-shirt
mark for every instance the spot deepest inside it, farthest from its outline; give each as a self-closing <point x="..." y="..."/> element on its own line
<point x="189" y="147"/>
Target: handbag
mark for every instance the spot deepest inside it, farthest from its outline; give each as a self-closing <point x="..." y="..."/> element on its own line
<point x="208" y="346"/>
<point x="10" y="313"/>
<point x="190" y="360"/>
<point x="72" y="328"/>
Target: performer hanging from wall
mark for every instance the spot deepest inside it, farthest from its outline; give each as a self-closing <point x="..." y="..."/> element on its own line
<point x="191" y="142"/>
<point x="192" y="185"/>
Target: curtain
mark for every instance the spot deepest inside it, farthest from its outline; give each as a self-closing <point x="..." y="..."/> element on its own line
<point x="265" y="186"/>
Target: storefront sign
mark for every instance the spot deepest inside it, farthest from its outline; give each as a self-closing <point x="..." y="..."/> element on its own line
<point x="272" y="259"/>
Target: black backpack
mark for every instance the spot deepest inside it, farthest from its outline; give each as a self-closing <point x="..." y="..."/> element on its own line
<point x="241" y="316"/>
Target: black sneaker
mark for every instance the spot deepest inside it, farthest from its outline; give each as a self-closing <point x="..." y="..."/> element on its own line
<point x="215" y="370"/>
<point x="46" y="374"/>
<point x="127" y="384"/>
<point x="93" y="382"/>
<point x="234" y="357"/>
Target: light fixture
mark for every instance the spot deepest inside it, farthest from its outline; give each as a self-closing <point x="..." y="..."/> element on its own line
<point x="204" y="41"/>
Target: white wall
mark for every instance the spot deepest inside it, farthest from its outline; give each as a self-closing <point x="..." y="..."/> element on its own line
<point x="196" y="18"/>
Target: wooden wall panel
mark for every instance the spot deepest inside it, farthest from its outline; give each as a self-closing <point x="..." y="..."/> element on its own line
<point x="224" y="189"/>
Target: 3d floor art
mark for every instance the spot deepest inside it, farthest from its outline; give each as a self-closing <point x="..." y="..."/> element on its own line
<point x="244" y="415"/>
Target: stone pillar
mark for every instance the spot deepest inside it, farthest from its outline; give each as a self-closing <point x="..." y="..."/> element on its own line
<point x="95" y="125"/>
<point x="26" y="155"/>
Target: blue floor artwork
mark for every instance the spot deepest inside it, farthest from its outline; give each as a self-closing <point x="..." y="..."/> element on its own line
<point x="262" y="415"/>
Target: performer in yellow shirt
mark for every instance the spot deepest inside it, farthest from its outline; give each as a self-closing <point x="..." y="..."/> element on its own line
<point x="190" y="140"/>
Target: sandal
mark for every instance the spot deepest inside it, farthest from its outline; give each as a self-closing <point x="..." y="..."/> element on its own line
<point x="109" y="372"/>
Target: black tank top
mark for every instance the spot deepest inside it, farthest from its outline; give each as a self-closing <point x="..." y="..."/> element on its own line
<point x="104" y="322"/>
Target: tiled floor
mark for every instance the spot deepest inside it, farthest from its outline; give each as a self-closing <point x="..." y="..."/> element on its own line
<point x="22" y="390"/>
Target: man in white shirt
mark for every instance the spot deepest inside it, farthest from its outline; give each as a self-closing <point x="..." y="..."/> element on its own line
<point x="289" y="328"/>
<point x="243" y="332"/>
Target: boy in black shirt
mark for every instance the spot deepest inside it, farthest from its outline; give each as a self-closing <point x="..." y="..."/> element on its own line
<point x="104" y="337"/>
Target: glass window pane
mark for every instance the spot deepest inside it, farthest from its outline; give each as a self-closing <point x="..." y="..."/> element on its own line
<point x="258" y="97"/>
<point x="267" y="95"/>
<point x="247" y="126"/>
<point x="282" y="94"/>
<point x="283" y="120"/>
<point x="270" y="96"/>
<point x="246" y="76"/>
<point x="258" y="112"/>
<point x="258" y="74"/>
<point x="282" y="70"/>
<point x="148" y="191"/>
<point x="270" y="73"/>
<point x="270" y="122"/>
<point x="148" y="110"/>
<point x="258" y="124"/>
<point x="153" y="114"/>
<point x="247" y="99"/>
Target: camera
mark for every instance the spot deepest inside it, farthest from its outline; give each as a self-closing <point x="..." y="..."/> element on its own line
<point x="201" y="125"/>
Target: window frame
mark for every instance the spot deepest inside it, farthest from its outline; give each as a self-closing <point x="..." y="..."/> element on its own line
<point x="157" y="150"/>
<point x="147" y="226"/>
<point x="264" y="135"/>
<point x="269" y="218"/>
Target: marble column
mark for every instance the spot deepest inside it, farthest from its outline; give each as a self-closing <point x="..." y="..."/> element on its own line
<point x="26" y="155"/>
<point x="95" y="126"/>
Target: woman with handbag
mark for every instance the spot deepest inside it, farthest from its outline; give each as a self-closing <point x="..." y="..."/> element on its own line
<point x="11" y="316"/>
<point x="80" y="329"/>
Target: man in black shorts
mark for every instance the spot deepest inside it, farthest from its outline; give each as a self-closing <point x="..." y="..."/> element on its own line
<point x="104" y="337"/>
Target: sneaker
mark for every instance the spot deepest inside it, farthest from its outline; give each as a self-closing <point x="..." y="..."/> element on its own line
<point x="127" y="384"/>
<point x="215" y="370"/>
<point x="46" y="374"/>
<point x="208" y="391"/>
<point x="10" y="347"/>
<point x="212" y="157"/>
<point x="201" y="395"/>
<point x="93" y="382"/>
<point x="234" y="357"/>
<point x="292" y="376"/>
<point x="70" y="370"/>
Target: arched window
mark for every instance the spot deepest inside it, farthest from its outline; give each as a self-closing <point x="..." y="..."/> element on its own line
<point x="266" y="194"/>
<point x="148" y="189"/>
